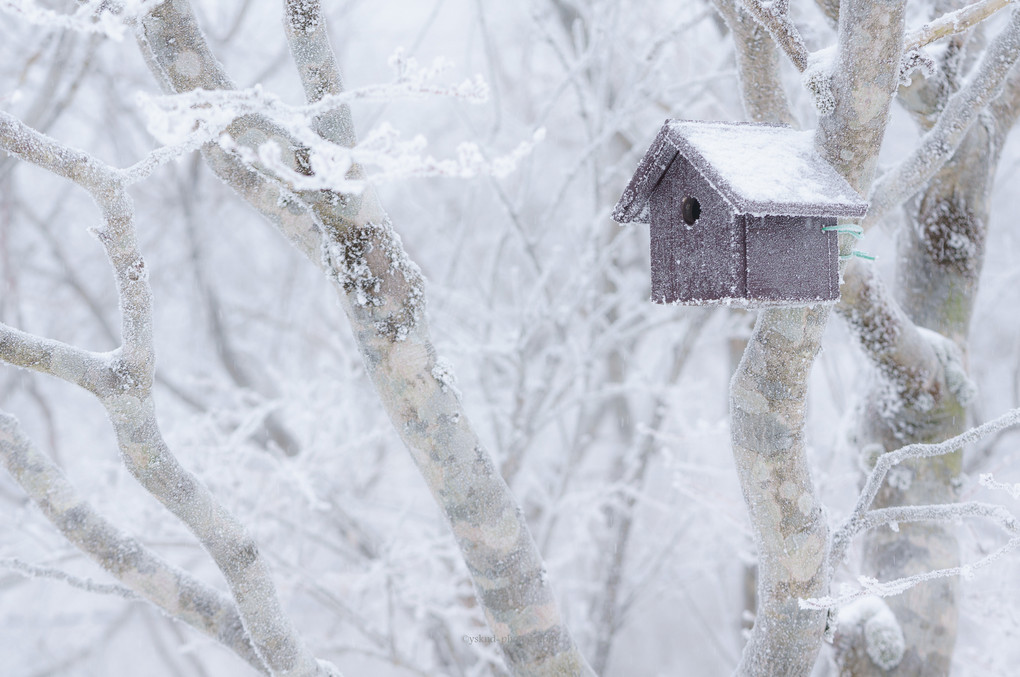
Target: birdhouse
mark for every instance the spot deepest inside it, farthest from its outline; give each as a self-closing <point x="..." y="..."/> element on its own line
<point x="741" y="214"/>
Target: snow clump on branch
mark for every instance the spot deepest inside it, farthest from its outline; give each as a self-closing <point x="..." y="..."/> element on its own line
<point x="951" y="359"/>
<point x="882" y="633"/>
<point x="817" y="79"/>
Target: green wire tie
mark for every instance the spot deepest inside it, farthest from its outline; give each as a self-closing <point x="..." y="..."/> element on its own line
<point x="846" y="228"/>
<point x="858" y="254"/>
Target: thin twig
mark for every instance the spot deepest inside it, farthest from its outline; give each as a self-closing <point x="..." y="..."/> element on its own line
<point x="86" y="584"/>
<point x="852" y="524"/>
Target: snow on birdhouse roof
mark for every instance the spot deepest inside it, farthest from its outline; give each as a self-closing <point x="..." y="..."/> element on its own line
<point x="759" y="168"/>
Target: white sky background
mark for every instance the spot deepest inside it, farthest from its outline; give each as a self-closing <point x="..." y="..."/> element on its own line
<point x="521" y="271"/>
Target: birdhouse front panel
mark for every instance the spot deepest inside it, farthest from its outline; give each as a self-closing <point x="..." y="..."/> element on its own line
<point x="697" y="247"/>
<point x="791" y="259"/>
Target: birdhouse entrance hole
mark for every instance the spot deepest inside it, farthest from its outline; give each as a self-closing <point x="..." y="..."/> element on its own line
<point x="691" y="209"/>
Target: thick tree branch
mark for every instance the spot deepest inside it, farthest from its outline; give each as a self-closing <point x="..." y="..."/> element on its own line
<point x="865" y="78"/>
<point x="767" y="410"/>
<point x="91" y="371"/>
<point x="236" y="554"/>
<point x="305" y="28"/>
<point x="761" y="88"/>
<point x="962" y="108"/>
<point x="144" y="573"/>
<point x="768" y="392"/>
<point x="382" y="293"/>
<point x="775" y="17"/>
<point x="890" y="340"/>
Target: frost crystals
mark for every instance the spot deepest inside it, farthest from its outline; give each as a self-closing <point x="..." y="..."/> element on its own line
<point x="95" y="16"/>
<point x="443" y="372"/>
<point x="817" y="79"/>
<point x="200" y="116"/>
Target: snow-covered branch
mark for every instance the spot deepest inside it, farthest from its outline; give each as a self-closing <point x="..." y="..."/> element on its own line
<point x="987" y="480"/>
<point x="175" y="118"/>
<point x="117" y="236"/>
<point x="1006" y="108"/>
<point x="144" y="574"/>
<point x="864" y="74"/>
<point x="854" y="523"/>
<point x="941" y="141"/>
<point x="871" y="586"/>
<point x="952" y="23"/>
<point x="774" y="15"/>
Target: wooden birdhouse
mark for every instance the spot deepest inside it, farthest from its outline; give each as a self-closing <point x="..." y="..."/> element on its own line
<point x="741" y="214"/>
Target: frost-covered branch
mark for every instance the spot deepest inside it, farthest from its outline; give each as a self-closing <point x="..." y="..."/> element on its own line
<point x="871" y="586"/>
<point x="189" y="120"/>
<point x="143" y="573"/>
<point x="865" y="75"/>
<point x="91" y="371"/>
<point x="952" y="23"/>
<point x="174" y="117"/>
<point x="853" y="523"/>
<point x="946" y="512"/>
<point x="941" y="141"/>
<point x="117" y="235"/>
<point x="382" y="292"/>
<point x="1006" y="108"/>
<point x="235" y="552"/>
<point x="320" y="74"/>
<point x="987" y="480"/>
<point x="92" y="16"/>
<point x="768" y="391"/>
<point x="330" y="166"/>
<point x="87" y="584"/>
<point x="774" y="15"/>
<point x="130" y="406"/>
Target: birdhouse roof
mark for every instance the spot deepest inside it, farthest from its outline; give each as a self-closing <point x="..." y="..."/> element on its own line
<point x="758" y="168"/>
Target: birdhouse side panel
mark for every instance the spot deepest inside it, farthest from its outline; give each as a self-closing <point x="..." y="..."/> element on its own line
<point x="791" y="260"/>
<point x="697" y="245"/>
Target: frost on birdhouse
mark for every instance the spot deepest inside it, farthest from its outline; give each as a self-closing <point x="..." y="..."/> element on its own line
<point x="741" y="214"/>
